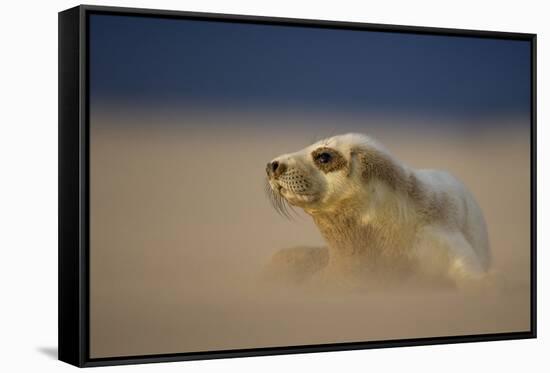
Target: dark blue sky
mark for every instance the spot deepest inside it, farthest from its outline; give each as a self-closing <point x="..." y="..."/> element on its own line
<point x="181" y="63"/>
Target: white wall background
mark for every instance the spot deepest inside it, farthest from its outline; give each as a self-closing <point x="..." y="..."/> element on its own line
<point x="28" y="184"/>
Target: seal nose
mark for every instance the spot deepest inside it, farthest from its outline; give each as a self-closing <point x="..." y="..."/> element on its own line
<point x="275" y="168"/>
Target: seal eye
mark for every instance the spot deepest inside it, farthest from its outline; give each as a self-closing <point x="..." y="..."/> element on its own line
<point x="324" y="157"/>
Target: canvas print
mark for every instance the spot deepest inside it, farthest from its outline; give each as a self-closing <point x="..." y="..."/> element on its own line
<point x="256" y="185"/>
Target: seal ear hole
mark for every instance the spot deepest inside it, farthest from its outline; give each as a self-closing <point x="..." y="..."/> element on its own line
<point x="375" y="165"/>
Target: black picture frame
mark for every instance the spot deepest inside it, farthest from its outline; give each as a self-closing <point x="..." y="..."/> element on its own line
<point x="74" y="192"/>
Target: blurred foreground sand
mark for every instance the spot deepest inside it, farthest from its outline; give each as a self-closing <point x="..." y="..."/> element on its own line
<point x="180" y="229"/>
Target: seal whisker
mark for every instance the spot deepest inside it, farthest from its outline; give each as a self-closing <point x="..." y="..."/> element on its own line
<point x="278" y="202"/>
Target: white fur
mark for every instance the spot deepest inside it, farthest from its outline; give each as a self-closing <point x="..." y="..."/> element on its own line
<point x="461" y="237"/>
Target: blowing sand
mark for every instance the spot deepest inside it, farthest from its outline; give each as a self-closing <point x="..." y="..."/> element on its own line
<point x="181" y="229"/>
